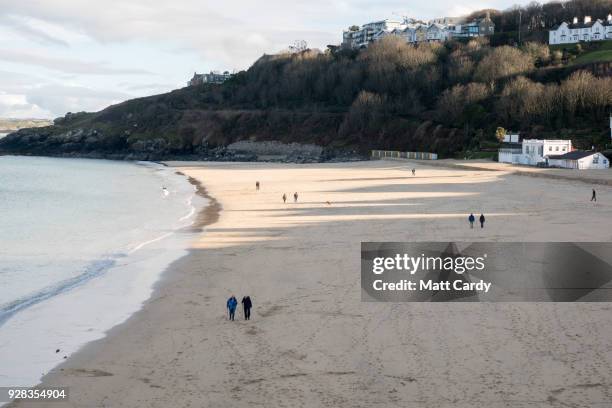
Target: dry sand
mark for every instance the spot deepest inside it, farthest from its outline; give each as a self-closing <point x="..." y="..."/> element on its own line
<point x="311" y="341"/>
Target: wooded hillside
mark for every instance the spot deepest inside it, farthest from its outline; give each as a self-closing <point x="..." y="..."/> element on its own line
<point x="446" y="98"/>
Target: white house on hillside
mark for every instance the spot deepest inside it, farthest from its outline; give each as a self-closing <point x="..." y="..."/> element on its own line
<point x="214" y="77"/>
<point x="475" y="28"/>
<point x="437" y="32"/>
<point x="361" y="36"/>
<point x="587" y="30"/>
<point x="416" y="31"/>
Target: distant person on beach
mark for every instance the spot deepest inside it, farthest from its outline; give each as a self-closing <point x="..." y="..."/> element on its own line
<point x="413" y="172"/>
<point x="482" y="220"/>
<point x="231" y="306"/>
<point x="594" y="196"/>
<point x="257" y="186"/>
<point x="471" y="219"/>
<point x="295" y="197"/>
<point x="247" y="305"/>
<point x="284" y="198"/>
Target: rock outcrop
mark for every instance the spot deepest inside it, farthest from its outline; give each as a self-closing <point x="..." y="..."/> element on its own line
<point x="93" y="143"/>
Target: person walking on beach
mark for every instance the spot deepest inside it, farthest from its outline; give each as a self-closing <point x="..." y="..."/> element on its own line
<point x="413" y="172"/>
<point x="231" y="306"/>
<point x="482" y="220"/>
<point x="295" y="197"/>
<point x="594" y="196"/>
<point x="257" y="186"/>
<point x="247" y="305"/>
<point x="284" y="198"/>
<point x="471" y="219"/>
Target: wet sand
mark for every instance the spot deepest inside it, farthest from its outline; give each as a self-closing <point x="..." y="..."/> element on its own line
<point x="311" y="341"/>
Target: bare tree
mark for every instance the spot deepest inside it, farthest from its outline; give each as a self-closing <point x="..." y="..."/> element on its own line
<point x="539" y="52"/>
<point x="298" y="46"/>
<point x="502" y="62"/>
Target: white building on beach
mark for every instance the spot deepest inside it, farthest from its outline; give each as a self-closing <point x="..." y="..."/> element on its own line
<point x="579" y="160"/>
<point x="549" y="153"/>
<point x="531" y="152"/>
<point x="536" y="151"/>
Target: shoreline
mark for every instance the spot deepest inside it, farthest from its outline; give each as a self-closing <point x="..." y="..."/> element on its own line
<point x="141" y="281"/>
<point x="210" y="213"/>
<point x="206" y="216"/>
<point x="311" y="341"/>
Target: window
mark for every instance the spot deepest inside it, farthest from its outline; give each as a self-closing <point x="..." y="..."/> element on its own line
<point x="550" y="148"/>
<point x="556" y="148"/>
<point x="596" y="159"/>
<point x="563" y="148"/>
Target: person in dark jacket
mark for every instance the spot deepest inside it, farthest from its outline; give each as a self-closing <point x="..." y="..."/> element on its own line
<point x="594" y="196"/>
<point x="257" y="186"/>
<point x="247" y="305"/>
<point x="284" y="198"/>
<point x="471" y="219"/>
<point x="295" y="197"/>
<point x="231" y="306"/>
<point x="482" y="220"/>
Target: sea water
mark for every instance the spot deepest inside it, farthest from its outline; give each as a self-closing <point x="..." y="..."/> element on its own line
<point x="82" y="243"/>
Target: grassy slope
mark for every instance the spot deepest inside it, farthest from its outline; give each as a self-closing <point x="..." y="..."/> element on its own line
<point x="593" y="52"/>
<point x="602" y="53"/>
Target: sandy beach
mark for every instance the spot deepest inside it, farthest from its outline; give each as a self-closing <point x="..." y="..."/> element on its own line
<point x="311" y="341"/>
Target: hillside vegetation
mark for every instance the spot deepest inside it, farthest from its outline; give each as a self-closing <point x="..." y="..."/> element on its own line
<point x="445" y="98"/>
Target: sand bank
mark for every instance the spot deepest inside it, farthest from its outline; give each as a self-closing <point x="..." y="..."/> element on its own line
<point x="311" y="341"/>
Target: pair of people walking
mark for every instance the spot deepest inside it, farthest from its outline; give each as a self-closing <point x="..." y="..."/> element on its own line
<point x="232" y="303"/>
<point x="472" y="219"/>
<point x="295" y="197"/>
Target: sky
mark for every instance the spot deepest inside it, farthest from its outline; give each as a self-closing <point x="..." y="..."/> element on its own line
<point x="59" y="56"/>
